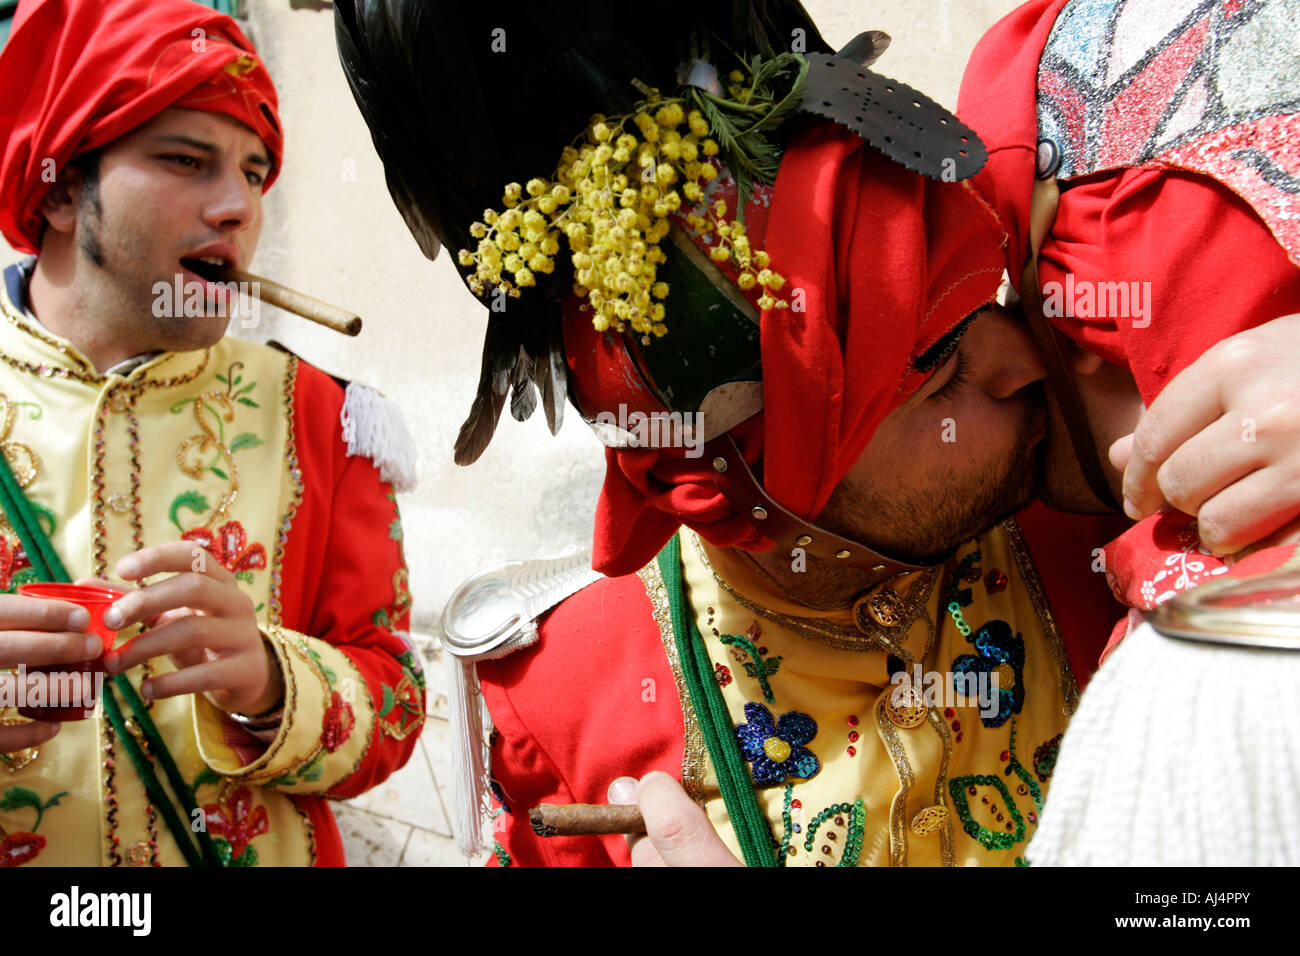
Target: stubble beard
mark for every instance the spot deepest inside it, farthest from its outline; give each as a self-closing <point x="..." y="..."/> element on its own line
<point x="921" y="525"/>
<point x="124" y="293"/>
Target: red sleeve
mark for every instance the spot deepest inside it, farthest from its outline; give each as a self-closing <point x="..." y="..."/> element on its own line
<point x="345" y="579"/>
<point x="593" y="700"/>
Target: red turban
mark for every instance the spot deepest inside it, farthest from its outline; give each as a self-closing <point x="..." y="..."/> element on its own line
<point x="1211" y="265"/>
<point x="78" y="74"/>
<point x="887" y="263"/>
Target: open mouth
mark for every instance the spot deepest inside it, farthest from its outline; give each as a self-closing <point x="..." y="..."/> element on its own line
<point x="211" y="268"/>
<point x="210" y="272"/>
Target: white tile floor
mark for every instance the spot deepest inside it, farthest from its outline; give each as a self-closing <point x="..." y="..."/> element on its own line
<point x="404" y="820"/>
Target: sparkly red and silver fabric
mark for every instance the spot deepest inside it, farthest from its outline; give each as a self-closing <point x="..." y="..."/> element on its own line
<point x="78" y="74"/>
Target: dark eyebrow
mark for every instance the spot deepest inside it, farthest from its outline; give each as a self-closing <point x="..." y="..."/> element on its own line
<point x="938" y="353"/>
<point x="258" y="159"/>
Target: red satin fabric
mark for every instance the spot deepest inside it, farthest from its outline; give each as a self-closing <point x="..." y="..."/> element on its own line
<point x="885" y="263"/>
<point x="77" y="74"/>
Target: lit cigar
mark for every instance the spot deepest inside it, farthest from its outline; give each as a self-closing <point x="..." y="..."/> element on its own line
<point x="322" y="313"/>
<point x="585" y="819"/>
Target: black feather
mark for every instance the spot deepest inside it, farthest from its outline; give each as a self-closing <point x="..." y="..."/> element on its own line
<point x="523" y="397"/>
<point x="490" y="398"/>
<point x="552" y="378"/>
<point x="866" y="48"/>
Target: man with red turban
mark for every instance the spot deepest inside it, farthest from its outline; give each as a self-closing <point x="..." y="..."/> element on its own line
<point x="259" y="664"/>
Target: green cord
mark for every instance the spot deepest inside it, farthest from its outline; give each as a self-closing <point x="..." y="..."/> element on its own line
<point x="748" y="819"/>
<point x="48" y="567"/>
<point x="45" y="561"/>
<point x="151" y="785"/>
<point x="159" y="748"/>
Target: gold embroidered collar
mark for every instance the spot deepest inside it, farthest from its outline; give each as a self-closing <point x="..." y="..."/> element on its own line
<point x="28" y="347"/>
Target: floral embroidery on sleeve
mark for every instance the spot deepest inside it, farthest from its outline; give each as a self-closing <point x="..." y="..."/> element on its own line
<point x="338" y="723"/>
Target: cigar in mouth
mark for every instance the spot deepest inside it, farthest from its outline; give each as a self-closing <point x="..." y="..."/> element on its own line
<point x="322" y="313"/>
<point x="585" y="819"/>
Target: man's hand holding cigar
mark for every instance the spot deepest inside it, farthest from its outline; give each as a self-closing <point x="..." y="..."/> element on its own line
<point x="678" y="832"/>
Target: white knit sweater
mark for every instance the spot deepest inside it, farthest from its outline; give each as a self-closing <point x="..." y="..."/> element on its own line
<point x="1181" y="754"/>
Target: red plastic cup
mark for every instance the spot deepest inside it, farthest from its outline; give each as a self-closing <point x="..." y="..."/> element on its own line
<point x="96" y="600"/>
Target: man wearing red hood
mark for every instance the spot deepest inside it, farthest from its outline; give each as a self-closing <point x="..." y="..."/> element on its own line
<point x="723" y="638"/>
<point x="258" y="666"/>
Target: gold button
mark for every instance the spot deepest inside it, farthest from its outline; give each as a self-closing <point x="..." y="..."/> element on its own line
<point x="18" y="759"/>
<point x="138" y="853"/>
<point x="929" y="820"/>
<point x="803" y="539"/>
<point x="905" y="707"/>
<point x="119" y="503"/>
<point x="884" y="607"/>
<point x="759" y="512"/>
<point x="842" y="554"/>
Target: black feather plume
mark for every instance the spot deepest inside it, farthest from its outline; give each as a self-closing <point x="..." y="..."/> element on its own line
<point x="462" y="98"/>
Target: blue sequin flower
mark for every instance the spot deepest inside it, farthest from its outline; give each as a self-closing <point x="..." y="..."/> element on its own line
<point x="775" y="749"/>
<point x="1001" y="652"/>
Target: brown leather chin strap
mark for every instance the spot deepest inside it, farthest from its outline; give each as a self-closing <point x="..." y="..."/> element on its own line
<point x="738" y="483"/>
<point x="1042" y="213"/>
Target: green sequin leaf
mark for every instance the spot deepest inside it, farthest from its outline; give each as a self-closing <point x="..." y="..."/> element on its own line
<point x="15" y="798"/>
<point x="247" y="858"/>
<point x="244" y="440"/>
<point x="191" y="501"/>
<point x="224" y="850"/>
<point x="759" y="669"/>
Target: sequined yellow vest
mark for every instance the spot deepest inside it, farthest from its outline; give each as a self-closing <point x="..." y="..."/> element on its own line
<point x="882" y="737"/>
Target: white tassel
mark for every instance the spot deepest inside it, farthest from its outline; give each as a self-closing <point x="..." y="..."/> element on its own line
<point x="469" y="754"/>
<point x="373" y="427"/>
<point x="1181" y="754"/>
<point x="471" y="792"/>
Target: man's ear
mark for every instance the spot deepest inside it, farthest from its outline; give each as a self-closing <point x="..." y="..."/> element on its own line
<point x="59" y="207"/>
